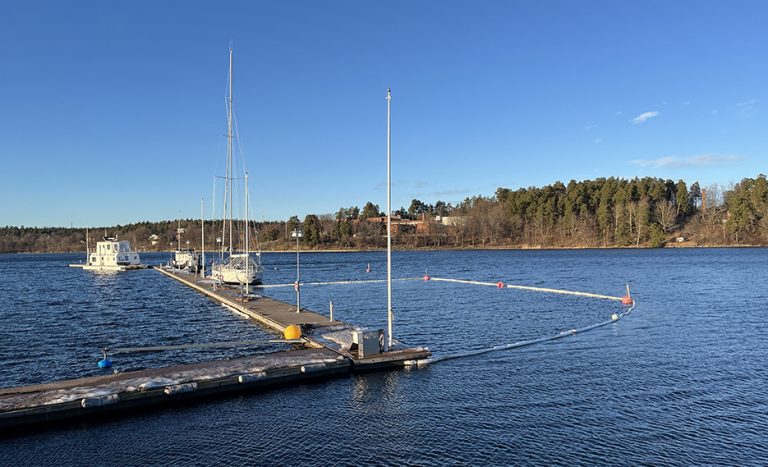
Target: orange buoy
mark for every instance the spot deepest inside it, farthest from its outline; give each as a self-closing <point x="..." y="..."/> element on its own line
<point x="627" y="299"/>
<point x="292" y="332"/>
<point x="500" y="285"/>
<point x="426" y="277"/>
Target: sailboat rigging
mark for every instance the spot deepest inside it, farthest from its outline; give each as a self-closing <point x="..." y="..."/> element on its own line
<point x="235" y="267"/>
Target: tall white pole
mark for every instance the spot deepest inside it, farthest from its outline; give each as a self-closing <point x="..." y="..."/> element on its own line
<point x="178" y="232"/>
<point x="298" y="277"/>
<point x="247" y="245"/>
<point x="202" y="235"/>
<point x="230" y="156"/>
<point x="389" y="221"/>
<point x="223" y="224"/>
<point x="87" y="247"/>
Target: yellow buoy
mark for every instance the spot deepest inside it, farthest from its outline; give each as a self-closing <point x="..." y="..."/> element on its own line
<point x="292" y="332"/>
<point x="614" y="317"/>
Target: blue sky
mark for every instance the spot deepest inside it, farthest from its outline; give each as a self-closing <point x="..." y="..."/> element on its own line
<point x="113" y="112"/>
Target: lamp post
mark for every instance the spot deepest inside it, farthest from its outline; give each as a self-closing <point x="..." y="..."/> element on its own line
<point x="297" y="233"/>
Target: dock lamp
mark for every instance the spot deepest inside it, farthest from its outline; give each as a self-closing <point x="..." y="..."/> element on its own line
<point x="297" y="234"/>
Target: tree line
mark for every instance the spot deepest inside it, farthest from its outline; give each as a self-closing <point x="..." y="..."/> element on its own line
<point x="605" y="212"/>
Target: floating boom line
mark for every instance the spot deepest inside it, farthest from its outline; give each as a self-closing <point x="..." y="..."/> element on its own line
<point x="524" y="343"/>
<point x="369" y="281"/>
<point x="456" y="281"/>
<point x="526" y="287"/>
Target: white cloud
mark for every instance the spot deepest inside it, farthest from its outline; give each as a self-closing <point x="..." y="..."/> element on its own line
<point x="703" y="160"/>
<point x="643" y="117"/>
<point x="746" y="106"/>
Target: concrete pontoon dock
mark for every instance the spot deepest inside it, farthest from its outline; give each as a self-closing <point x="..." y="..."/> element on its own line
<point x="98" y="395"/>
<point x="273" y="314"/>
<point x="317" y="330"/>
<point x="329" y="351"/>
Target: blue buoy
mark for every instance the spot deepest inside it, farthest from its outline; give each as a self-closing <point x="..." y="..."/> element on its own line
<point x="105" y="362"/>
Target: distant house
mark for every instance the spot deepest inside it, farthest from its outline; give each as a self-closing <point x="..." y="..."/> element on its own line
<point x="400" y="225"/>
<point x="681" y="239"/>
<point x="452" y="221"/>
<point x="154" y="239"/>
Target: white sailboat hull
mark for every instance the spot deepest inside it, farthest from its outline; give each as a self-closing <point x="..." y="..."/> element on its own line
<point x="238" y="269"/>
<point x="233" y="276"/>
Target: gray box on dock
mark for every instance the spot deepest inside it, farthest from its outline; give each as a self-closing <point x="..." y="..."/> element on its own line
<point x="368" y="342"/>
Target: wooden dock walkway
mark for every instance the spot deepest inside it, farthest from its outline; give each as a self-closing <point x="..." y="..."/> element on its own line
<point x="328" y="352"/>
<point x="273" y="314"/>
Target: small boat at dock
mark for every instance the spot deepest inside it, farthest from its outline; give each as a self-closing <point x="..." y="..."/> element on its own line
<point x="186" y="259"/>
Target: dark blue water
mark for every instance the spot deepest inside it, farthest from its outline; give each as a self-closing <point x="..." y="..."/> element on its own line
<point x="680" y="381"/>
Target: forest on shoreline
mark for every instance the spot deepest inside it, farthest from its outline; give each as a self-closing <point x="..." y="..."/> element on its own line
<point x="601" y="213"/>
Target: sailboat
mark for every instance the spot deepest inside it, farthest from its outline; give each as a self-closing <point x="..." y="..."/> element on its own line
<point x="235" y="267"/>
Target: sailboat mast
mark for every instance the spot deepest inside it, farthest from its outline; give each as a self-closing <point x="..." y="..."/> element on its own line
<point x="202" y="235"/>
<point x="178" y="232"/>
<point x="213" y="215"/>
<point x="389" y="221"/>
<point x="247" y="246"/>
<point x="230" y="156"/>
<point x="87" y="246"/>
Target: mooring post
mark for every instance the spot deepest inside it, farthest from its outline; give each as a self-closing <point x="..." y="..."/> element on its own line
<point x="330" y="305"/>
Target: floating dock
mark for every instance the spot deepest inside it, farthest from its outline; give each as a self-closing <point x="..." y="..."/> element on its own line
<point x="331" y="348"/>
<point x="99" y="395"/>
<point x="318" y="331"/>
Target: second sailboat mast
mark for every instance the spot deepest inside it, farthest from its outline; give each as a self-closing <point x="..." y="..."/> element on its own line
<point x="230" y="156"/>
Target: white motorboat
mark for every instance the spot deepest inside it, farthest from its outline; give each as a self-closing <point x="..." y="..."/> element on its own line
<point x="185" y="258"/>
<point x="111" y="254"/>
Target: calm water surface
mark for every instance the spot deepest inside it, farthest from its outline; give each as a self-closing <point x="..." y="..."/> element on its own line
<point x="681" y="381"/>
